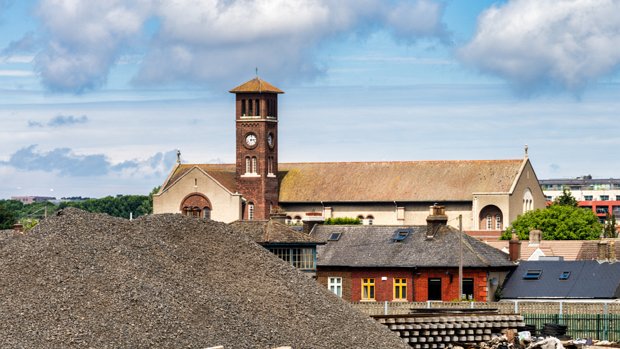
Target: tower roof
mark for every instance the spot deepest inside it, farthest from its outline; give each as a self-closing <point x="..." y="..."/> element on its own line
<point x="256" y="85"/>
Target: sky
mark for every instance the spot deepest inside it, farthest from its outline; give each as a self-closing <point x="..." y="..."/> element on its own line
<point x="97" y="96"/>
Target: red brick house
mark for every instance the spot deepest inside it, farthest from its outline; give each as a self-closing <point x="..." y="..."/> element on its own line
<point x="407" y="263"/>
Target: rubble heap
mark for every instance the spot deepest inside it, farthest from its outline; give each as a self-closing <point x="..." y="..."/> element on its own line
<point x="166" y="281"/>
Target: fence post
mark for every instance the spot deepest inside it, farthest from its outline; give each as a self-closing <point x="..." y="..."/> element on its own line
<point x="561" y="310"/>
<point x="606" y="321"/>
<point x="516" y="307"/>
<point x="385" y="308"/>
<point x="428" y="304"/>
<point x="471" y="305"/>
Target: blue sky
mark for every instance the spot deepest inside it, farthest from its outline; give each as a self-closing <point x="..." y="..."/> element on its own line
<point x="95" y="97"/>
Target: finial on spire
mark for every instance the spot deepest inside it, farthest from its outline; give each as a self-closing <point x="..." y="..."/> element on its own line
<point x="526" y="148"/>
<point x="256" y="69"/>
<point x="178" y="156"/>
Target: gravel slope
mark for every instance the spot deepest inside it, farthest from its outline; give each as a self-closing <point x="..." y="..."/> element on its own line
<point x="83" y="280"/>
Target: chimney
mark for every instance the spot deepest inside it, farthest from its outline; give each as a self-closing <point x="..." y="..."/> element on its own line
<point x="18" y="227"/>
<point x="435" y="220"/>
<point x="602" y="250"/>
<point x="312" y="219"/>
<point x="611" y="251"/>
<point x="535" y="237"/>
<point x="514" y="248"/>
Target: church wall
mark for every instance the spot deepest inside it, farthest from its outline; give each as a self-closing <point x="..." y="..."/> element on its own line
<point x="528" y="180"/>
<point x="501" y="201"/>
<point x="383" y="213"/>
<point x="226" y="207"/>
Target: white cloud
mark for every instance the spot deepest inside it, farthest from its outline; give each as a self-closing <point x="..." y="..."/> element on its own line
<point x="537" y="44"/>
<point x="209" y="41"/>
<point x="16" y="73"/>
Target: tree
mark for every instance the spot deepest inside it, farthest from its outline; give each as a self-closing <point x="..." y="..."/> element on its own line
<point x="610" y="226"/>
<point x="566" y="199"/>
<point x="557" y="222"/>
<point x="7" y="216"/>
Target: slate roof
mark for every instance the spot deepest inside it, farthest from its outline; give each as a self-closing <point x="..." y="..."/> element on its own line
<point x="256" y="85"/>
<point x="413" y="181"/>
<point x="588" y="279"/>
<point x="270" y="232"/>
<point x="373" y="246"/>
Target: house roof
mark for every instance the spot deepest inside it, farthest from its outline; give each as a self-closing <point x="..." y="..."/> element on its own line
<point x="421" y="181"/>
<point x="587" y="279"/>
<point x="270" y="232"/>
<point x="256" y="85"/>
<point x="569" y="249"/>
<point x="374" y="246"/>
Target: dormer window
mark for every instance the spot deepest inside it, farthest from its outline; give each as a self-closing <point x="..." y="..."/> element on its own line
<point x="334" y="236"/>
<point x="565" y="275"/>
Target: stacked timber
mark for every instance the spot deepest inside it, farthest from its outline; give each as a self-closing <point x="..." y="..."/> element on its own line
<point x="439" y="331"/>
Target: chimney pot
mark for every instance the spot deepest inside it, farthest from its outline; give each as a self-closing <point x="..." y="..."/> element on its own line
<point x="535" y="237"/>
<point x="435" y="220"/>
<point x="602" y="250"/>
<point x="312" y="219"/>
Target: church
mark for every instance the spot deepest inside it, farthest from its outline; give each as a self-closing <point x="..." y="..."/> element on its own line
<point x="489" y="194"/>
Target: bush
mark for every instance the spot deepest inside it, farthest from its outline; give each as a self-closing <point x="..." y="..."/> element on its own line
<point x="343" y="221"/>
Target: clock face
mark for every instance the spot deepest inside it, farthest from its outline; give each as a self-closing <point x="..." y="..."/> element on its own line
<point x="270" y="140"/>
<point x="250" y="139"/>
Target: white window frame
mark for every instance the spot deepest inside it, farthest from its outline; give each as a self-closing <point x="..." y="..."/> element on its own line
<point x="334" y="284"/>
<point x="250" y="211"/>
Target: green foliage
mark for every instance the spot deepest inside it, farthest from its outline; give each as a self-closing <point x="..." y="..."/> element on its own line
<point x="28" y="223"/>
<point x="7" y="216"/>
<point x="119" y="206"/>
<point x="566" y="199"/>
<point x="610" y="227"/>
<point x="343" y="221"/>
<point x="557" y="222"/>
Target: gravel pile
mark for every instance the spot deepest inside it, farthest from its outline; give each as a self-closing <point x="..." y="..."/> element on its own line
<point x="88" y="280"/>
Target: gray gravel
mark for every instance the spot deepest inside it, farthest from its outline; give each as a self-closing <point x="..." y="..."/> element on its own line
<point x="83" y="280"/>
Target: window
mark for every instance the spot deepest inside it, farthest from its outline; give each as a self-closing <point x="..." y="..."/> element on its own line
<point x="257" y="107"/>
<point x="498" y="222"/>
<point x="401" y="234"/>
<point x="468" y="288"/>
<point x="243" y="111"/>
<point x="300" y="258"/>
<point x="587" y="197"/>
<point x="288" y="220"/>
<point x="617" y="197"/>
<point x="532" y="274"/>
<point x="370" y="220"/>
<point x="368" y="289"/>
<point x="565" y="275"/>
<point x="400" y="289"/>
<point x="549" y="198"/>
<point x="250" y="112"/>
<point x="489" y="222"/>
<point x="297" y="220"/>
<point x="334" y="284"/>
<point x="334" y="236"/>
<point x="254" y="165"/>
<point x="248" y="165"/>
<point x="434" y="289"/>
<point x="270" y="165"/>
<point x="250" y="211"/>
<point x="604" y="197"/>
<point x="206" y="213"/>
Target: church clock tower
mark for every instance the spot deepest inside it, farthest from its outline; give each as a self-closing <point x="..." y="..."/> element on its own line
<point x="257" y="147"/>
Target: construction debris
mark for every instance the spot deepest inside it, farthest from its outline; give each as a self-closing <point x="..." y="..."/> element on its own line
<point x="85" y="280"/>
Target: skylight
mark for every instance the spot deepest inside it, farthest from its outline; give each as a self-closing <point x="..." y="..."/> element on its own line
<point x="401" y="234"/>
<point x="565" y="275"/>
<point x="532" y="274"/>
<point x="334" y="236"/>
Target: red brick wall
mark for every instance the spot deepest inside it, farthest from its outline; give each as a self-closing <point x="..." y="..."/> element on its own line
<point x="384" y="289"/>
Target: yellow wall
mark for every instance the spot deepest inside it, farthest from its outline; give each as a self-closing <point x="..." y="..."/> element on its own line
<point x="226" y="207"/>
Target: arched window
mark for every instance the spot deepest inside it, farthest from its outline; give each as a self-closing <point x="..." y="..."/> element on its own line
<point x="243" y="108"/>
<point x="490" y="218"/>
<point x="288" y="220"/>
<point x="258" y="107"/>
<point x="528" y="200"/>
<point x="251" y="211"/>
<point x="370" y="219"/>
<point x="270" y="165"/>
<point x="297" y="220"/>
<point x="248" y="165"/>
<point x="196" y="205"/>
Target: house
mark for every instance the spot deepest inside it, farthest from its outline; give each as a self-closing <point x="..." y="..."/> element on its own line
<point x="407" y="263"/>
<point x="564" y="280"/>
<point x="290" y="245"/>
<point x="486" y="193"/>
<point x="536" y="248"/>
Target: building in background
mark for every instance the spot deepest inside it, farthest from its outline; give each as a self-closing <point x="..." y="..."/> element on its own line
<point x="489" y="194"/>
<point x="27" y="200"/>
